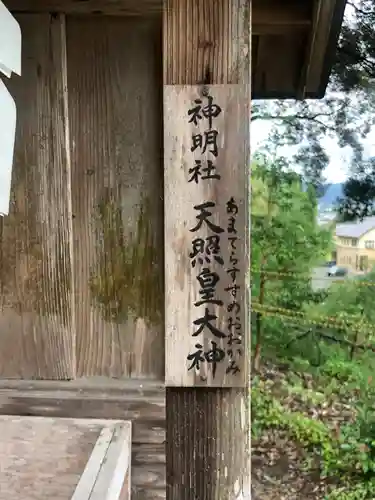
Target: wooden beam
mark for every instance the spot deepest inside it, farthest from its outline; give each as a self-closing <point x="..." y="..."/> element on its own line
<point x="280" y="18"/>
<point x="206" y="54"/>
<point x="317" y="50"/>
<point x="265" y="12"/>
<point x="107" y="472"/>
<point x="288" y="14"/>
<point x="107" y="7"/>
<point x="278" y="29"/>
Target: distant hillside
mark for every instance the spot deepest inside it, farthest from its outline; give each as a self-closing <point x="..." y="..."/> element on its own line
<point x="332" y="193"/>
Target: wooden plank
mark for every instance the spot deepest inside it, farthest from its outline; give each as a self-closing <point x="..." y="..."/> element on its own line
<point x="148" y="470"/>
<point x="87" y="480"/>
<point x="113" y="482"/>
<point x="54" y="458"/>
<point x="107" y="7"/>
<point x="273" y="72"/>
<point x="149" y="432"/>
<point x="142" y="402"/>
<point x="150" y="476"/>
<point x="36" y="331"/>
<point x="271" y="12"/>
<point x="288" y="13"/>
<point x="207" y="428"/>
<point x="114" y="103"/>
<point x="107" y="473"/>
<point x="148" y="454"/>
<point x="145" y="401"/>
<point x="206" y="255"/>
<point x="149" y="494"/>
<point x="280" y="18"/>
<point x="264" y="30"/>
<point x="321" y="28"/>
<point x="43" y="458"/>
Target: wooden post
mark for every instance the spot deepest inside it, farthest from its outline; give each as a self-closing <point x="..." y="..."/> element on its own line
<point x="206" y="142"/>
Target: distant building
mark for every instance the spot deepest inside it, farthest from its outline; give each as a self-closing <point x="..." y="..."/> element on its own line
<point x="355" y="244"/>
<point x="327" y="218"/>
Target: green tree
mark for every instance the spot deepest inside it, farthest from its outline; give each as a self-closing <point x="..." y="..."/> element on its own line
<point x="358" y="199"/>
<point x="350" y="307"/>
<point x="346" y="114"/>
<point x="286" y="241"/>
<point x="305" y="125"/>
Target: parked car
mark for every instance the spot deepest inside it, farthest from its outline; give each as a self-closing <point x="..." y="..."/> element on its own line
<point x="337" y="271"/>
<point x="330" y="263"/>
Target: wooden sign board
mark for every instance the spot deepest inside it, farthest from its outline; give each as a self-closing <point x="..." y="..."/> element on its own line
<point x="206" y="235"/>
<point x="64" y="459"/>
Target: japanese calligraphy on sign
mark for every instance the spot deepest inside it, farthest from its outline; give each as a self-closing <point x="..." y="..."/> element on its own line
<point x="206" y="213"/>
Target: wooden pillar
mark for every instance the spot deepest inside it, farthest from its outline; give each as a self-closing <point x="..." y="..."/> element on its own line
<point x="206" y="143"/>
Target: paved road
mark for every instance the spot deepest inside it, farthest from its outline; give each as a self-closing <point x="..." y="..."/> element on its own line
<point x="320" y="280"/>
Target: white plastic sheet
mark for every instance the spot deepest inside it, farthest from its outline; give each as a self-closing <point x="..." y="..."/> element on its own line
<point x="10" y="62"/>
<point x="10" y="43"/>
<point x="7" y="136"/>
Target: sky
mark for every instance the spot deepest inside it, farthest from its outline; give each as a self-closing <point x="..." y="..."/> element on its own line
<point x="337" y="170"/>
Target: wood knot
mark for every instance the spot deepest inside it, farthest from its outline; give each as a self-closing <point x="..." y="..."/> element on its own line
<point x="205" y="44"/>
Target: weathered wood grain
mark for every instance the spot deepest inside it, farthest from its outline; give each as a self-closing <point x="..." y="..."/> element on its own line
<point x="149" y="431"/>
<point x="36" y="331"/>
<point x="208" y="432"/>
<point x="142" y="402"/>
<point x="65" y="459"/>
<point x="268" y="15"/>
<point x="112" y="481"/>
<point x="148" y="469"/>
<point x="185" y="279"/>
<point x="107" y="7"/>
<point x="93" y="466"/>
<point x="148" y="454"/>
<point x="148" y="476"/>
<point x="114" y="105"/>
<point x="207" y="447"/>
<point x="43" y="458"/>
<point x="148" y="494"/>
<point x="196" y="35"/>
<point x="84" y="400"/>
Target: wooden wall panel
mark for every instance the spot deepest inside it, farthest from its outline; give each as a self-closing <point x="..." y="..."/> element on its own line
<point x="115" y="114"/>
<point x="36" y="333"/>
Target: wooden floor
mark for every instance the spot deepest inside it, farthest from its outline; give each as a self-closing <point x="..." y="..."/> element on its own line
<point x="140" y="401"/>
<point x="43" y="458"/>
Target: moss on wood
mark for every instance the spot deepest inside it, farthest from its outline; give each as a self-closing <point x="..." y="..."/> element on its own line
<point x="127" y="279"/>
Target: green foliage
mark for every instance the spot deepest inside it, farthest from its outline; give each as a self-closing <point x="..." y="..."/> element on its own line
<point x="286" y="243"/>
<point x="349" y="307"/>
<point x="285" y="234"/>
<point x="358" y="491"/>
<point x="349" y="455"/>
<point x="345" y="115"/>
<point x="268" y="412"/>
<point x="306" y="125"/>
<point x="320" y="338"/>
